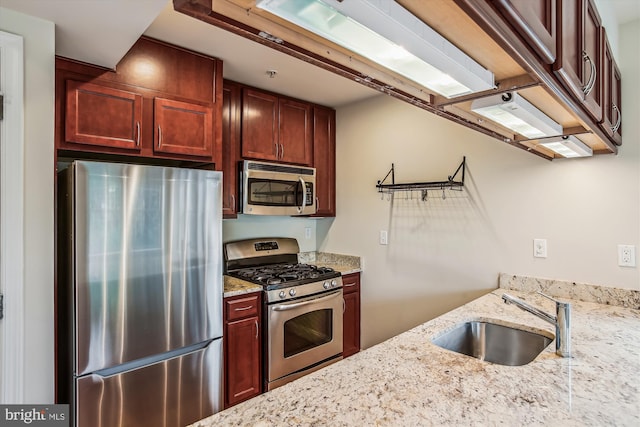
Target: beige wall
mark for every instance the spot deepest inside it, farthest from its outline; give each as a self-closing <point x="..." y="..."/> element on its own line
<point x="39" y="50"/>
<point x="442" y="253"/>
<point x="250" y="226"/>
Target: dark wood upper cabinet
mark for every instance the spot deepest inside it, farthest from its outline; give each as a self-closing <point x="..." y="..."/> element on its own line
<point x="276" y="128"/>
<point x="231" y="99"/>
<point x="183" y="127"/>
<point x="295" y="133"/>
<point x="162" y="67"/>
<point x="160" y="102"/>
<point x="102" y="116"/>
<point x="259" y="125"/>
<point x="579" y="61"/>
<point x="593" y="48"/>
<point x="324" y="159"/>
<point x="535" y="21"/>
<point x="612" y="94"/>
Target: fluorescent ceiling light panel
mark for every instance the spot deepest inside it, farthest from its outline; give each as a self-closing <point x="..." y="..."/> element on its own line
<point x="386" y="33"/>
<point x="516" y="113"/>
<point x="568" y="146"/>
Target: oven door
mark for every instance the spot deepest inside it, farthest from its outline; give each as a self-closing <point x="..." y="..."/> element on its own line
<point x="303" y="332"/>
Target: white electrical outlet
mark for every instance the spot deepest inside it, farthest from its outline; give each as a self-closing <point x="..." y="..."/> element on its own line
<point x="626" y="255"/>
<point x="384" y="238"/>
<point x="307" y="233"/>
<point x="540" y="248"/>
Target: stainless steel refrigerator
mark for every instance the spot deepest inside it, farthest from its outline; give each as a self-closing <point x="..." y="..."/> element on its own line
<point x="139" y="294"/>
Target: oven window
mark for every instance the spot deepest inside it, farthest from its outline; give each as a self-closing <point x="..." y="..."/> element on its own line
<point x="307" y="331"/>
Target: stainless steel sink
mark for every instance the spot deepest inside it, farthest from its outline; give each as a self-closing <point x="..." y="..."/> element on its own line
<point x="494" y="343"/>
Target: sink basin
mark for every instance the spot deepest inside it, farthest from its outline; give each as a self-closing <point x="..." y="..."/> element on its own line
<point x="494" y="343"/>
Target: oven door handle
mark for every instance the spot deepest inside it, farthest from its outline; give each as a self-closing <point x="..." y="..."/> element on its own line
<point x="304" y="195"/>
<point x="285" y="307"/>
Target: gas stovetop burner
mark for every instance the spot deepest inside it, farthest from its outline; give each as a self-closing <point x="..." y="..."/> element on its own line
<point x="284" y="273"/>
<point x="273" y="264"/>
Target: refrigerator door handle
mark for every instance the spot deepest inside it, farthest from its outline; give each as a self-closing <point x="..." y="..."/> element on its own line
<point x="135" y="364"/>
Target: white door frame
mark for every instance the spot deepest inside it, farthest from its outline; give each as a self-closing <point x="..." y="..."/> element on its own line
<point x="12" y="219"/>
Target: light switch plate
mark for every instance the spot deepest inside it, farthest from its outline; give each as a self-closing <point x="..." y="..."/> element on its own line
<point x="384" y="237"/>
<point x="540" y="248"/>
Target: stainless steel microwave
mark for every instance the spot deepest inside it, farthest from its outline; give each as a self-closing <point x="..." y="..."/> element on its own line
<point x="275" y="189"/>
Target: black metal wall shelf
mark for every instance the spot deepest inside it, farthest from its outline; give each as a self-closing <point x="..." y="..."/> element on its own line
<point x="424" y="187"/>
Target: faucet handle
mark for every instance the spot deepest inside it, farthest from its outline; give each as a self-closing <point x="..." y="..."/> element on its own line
<point x="558" y="303"/>
<point x="547" y="296"/>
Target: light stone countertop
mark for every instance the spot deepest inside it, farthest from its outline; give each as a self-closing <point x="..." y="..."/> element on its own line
<point x="234" y="286"/>
<point x="408" y="381"/>
<point x="344" y="264"/>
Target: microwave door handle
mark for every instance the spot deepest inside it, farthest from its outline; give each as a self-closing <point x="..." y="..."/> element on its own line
<point x="304" y="195"/>
<point x="285" y="307"/>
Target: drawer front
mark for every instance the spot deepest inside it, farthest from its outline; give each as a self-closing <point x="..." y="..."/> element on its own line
<point x="240" y="308"/>
<point x="351" y="283"/>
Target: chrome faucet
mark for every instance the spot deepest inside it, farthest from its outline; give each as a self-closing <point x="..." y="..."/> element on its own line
<point x="562" y="320"/>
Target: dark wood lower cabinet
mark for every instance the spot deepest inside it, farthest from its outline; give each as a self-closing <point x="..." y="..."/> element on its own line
<point x="351" y="328"/>
<point x="242" y="349"/>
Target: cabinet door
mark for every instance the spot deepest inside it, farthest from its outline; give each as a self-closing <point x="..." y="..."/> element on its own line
<point x="295" y="132"/>
<point x="569" y="65"/>
<point x="579" y="62"/>
<point x="611" y="116"/>
<point x="259" y="125"/>
<point x="230" y="148"/>
<point x="242" y="348"/>
<point x="351" y="331"/>
<point x="324" y="160"/>
<point x="616" y="103"/>
<point x="242" y="360"/>
<point x="592" y="29"/>
<point x="101" y="115"/>
<point x="535" y="21"/>
<point x="182" y="128"/>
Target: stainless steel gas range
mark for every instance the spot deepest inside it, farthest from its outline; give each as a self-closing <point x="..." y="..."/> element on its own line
<point x="303" y="306"/>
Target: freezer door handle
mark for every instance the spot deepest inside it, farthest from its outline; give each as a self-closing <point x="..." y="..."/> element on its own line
<point x="135" y="364"/>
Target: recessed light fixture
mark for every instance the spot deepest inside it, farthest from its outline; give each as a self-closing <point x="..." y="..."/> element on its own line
<point x="388" y="34"/>
<point x="568" y="146"/>
<point x="516" y="113"/>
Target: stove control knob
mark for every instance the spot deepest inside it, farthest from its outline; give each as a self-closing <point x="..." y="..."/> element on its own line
<point x="292" y="292"/>
<point x="334" y="283"/>
<point x="282" y="294"/>
<point x="326" y="285"/>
